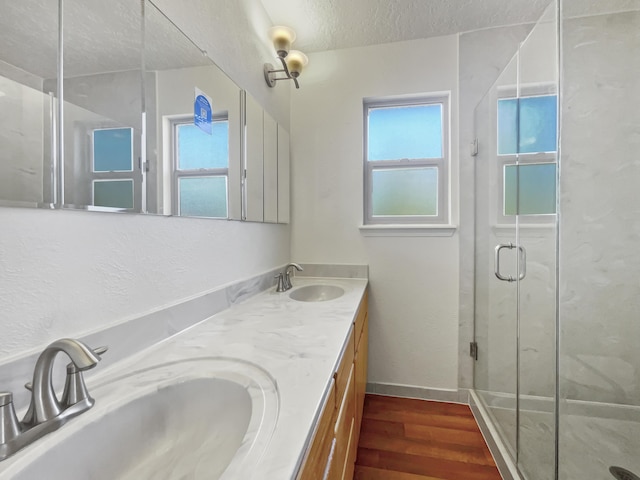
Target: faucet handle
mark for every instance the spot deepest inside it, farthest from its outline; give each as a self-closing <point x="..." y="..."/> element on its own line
<point x="281" y="285"/>
<point x="75" y="390"/>
<point x="9" y="425"/>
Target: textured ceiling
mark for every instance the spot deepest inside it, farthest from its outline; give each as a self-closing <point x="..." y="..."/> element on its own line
<point x="99" y="36"/>
<point x="333" y="24"/>
<point x="104" y="36"/>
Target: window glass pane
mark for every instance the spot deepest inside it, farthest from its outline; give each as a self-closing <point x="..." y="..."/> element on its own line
<point x="537" y="189"/>
<point x="197" y="149"/>
<point x="113" y="193"/>
<point x="203" y="197"/>
<point x="113" y="150"/>
<point x="507" y="126"/>
<point x="405" y="191"/>
<point x="405" y="132"/>
<point x="537" y="128"/>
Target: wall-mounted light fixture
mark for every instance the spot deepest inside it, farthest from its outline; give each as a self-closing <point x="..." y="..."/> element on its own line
<point x="293" y="61"/>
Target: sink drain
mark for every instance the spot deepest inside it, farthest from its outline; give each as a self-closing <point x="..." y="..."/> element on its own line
<point x="623" y="474"/>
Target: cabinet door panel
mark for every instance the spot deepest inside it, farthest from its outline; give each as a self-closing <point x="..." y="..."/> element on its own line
<point x="253" y="161"/>
<point x="284" y="166"/>
<point x="270" y="169"/>
<point x="318" y="454"/>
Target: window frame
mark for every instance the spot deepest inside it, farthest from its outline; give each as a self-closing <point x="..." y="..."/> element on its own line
<point x="520" y="159"/>
<point x="177" y="173"/>
<point x="95" y="176"/>
<point x="441" y="164"/>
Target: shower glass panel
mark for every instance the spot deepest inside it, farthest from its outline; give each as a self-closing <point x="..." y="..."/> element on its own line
<point x="536" y="232"/>
<point x="496" y="301"/>
<point x="515" y="172"/>
<point x="599" y="294"/>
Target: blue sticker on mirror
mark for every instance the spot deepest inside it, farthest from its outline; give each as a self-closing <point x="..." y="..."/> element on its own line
<point x="202" y="111"/>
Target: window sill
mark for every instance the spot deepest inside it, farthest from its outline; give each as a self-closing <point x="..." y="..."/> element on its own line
<point x="392" y="230"/>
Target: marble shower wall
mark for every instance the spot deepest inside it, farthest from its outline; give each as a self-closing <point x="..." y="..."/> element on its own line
<point x="600" y="211"/>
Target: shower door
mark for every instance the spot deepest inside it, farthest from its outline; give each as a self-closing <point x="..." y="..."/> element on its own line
<point x="515" y="249"/>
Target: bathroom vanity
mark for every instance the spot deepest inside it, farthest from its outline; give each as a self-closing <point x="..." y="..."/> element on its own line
<point x="269" y="388"/>
<point x="332" y="451"/>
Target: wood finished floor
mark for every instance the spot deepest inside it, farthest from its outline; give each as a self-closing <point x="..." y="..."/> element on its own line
<point x="406" y="439"/>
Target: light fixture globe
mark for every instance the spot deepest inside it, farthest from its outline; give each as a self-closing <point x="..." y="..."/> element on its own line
<point x="282" y="38"/>
<point x="296" y="61"/>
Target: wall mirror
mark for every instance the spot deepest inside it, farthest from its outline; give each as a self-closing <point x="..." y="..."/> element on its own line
<point x="27" y="109"/>
<point x="148" y="123"/>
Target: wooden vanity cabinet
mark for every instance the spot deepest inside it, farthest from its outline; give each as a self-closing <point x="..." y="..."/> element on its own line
<point x="331" y="454"/>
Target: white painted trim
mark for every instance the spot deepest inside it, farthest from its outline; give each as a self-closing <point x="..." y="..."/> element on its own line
<point x="393" y="230"/>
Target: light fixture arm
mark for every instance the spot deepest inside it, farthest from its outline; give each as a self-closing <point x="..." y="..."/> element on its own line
<point x="270" y="73"/>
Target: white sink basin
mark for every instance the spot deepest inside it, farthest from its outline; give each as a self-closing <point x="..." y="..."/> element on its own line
<point x="317" y="293"/>
<point x="177" y="426"/>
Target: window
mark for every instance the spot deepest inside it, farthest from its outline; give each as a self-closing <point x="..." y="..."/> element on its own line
<point x="201" y="169"/>
<point x="112" y="169"/>
<point x="527" y="144"/>
<point x="406" y="161"/>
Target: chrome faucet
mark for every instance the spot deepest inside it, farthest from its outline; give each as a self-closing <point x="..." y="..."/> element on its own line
<point x="284" y="278"/>
<point x="287" y="275"/>
<point x="46" y="413"/>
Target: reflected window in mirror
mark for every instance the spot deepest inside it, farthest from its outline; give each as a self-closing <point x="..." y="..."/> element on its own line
<point x="201" y="168"/>
<point x="112" y="167"/>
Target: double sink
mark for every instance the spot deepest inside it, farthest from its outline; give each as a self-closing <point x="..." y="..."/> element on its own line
<point x="189" y="416"/>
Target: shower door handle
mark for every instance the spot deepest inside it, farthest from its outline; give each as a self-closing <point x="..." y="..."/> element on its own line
<point x="496" y="262"/>
<point x="522" y="259"/>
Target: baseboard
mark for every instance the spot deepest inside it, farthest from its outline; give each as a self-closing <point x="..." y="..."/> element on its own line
<point x="422" y="393"/>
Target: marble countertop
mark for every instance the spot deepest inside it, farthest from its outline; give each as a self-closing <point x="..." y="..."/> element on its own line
<point x="296" y="344"/>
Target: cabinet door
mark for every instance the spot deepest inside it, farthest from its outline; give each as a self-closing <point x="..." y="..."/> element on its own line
<point x="344" y="429"/>
<point x="323" y="442"/>
<point x="253" y="197"/>
<point x="284" y="165"/>
<point x="270" y="169"/>
<point x="361" y="362"/>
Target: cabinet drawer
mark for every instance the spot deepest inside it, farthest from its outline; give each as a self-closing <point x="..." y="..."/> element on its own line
<point x="314" y="465"/>
<point x="342" y="374"/>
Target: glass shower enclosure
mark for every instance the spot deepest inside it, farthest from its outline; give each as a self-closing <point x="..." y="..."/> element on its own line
<point x="557" y="220"/>
<point x="515" y="270"/>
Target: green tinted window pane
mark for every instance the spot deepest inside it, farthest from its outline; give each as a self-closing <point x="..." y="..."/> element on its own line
<point x="197" y="149"/>
<point x="112" y="150"/>
<point x="405" y="132"/>
<point x="507" y="126"/>
<point x="537" y="189"/>
<point x="203" y="197"/>
<point x="534" y="131"/>
<point x="113" y="193"/>
<point x="405" y="192"/>
<point x="538" y="124"/>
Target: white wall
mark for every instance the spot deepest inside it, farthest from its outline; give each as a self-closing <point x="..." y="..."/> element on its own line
<point x="68" y="272"/>
<point x="414" y="280"/>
